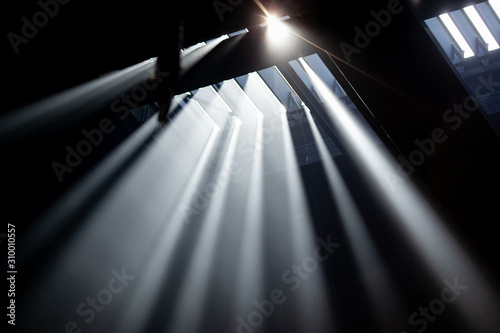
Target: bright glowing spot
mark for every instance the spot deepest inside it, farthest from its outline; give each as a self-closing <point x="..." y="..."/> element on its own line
<point x="481" y="28"/>
<point x="457" y="36"/>
<point x="495" y="5"/>
<point x="276" y="29"/>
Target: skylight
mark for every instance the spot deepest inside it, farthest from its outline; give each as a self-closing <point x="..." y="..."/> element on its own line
<point x="457" y="35"/>
<point x="481" y="27"/>
<point x="495" y="5"/>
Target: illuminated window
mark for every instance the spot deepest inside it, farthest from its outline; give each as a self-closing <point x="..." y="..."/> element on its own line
<point x="481" y="27"/>
<point x="457" y="35"/>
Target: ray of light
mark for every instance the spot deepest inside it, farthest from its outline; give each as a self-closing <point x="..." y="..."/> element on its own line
<point x="437" y="247"/>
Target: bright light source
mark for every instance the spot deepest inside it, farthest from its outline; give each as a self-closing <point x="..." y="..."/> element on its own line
<point x="495" y="5"/>
<point x="481" y="28"/>
<point x="459" y="38"/>
<point x="276" y="29"/>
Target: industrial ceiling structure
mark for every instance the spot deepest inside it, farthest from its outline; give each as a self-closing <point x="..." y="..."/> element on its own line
<point x="253" y="166"/>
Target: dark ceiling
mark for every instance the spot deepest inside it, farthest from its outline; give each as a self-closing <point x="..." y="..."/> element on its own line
<point x="86" y="39"/>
